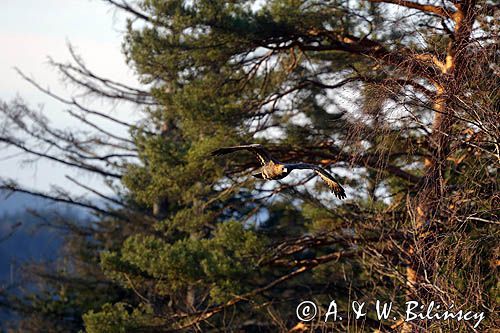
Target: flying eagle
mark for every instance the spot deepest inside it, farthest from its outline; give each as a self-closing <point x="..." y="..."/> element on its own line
<point x="274" y="169"/>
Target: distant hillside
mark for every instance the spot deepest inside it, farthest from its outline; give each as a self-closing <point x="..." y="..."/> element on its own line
<point x="24" y="238"/>
<point x="19" y="202"/>
<point x="21" y="237"/>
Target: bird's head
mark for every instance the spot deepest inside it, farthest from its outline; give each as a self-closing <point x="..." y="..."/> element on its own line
<point x="284" y="170"/>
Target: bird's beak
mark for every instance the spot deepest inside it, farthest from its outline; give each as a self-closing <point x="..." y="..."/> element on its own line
<point x="285" y="170"/>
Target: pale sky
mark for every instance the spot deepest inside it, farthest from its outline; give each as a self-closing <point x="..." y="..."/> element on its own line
<point x="32" y="30"/>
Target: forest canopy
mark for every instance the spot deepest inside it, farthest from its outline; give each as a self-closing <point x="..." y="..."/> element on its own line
<point x="398" y="99"/>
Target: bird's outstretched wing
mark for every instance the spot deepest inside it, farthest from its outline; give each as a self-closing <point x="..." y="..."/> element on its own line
<point x="261" y="153"/>
<point x="332" y="183"/>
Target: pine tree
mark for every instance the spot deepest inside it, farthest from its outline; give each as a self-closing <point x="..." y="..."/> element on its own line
<point x="399" y="99"/>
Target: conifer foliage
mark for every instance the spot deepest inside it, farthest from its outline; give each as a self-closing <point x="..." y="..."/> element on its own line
<point x="399" y="99"/>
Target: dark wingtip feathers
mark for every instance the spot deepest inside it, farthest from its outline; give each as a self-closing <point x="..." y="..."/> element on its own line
<point x="227" y="150"/>
<point x="215" y="153"/>
<point x="219" y="152"/>
<point x="339" y="191"/>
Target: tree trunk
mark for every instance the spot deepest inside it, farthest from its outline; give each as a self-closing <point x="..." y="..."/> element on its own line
<point x="427" y="202"/>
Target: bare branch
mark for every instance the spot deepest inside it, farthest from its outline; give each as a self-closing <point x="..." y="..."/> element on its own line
<point x="88" y="188"/>
<point x="11" y="186"/>
<point x="440" y="11"/>
<point x="71" y="102"/>
<point x="87" y="167"/>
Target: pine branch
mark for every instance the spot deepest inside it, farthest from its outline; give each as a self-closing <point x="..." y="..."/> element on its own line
<point x="437" y="10"/>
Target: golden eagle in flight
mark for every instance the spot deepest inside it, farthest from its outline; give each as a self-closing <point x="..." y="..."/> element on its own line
<point x="274" y="169"/>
